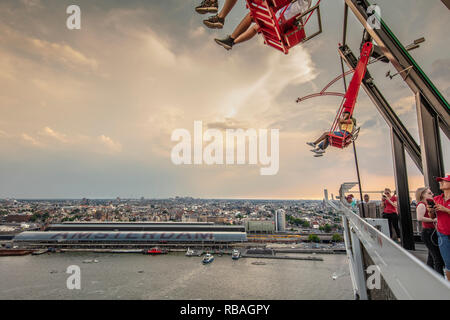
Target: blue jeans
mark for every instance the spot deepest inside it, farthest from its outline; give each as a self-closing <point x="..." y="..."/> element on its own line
<point x="324" y="144"/>
<point x="444" y="247"/>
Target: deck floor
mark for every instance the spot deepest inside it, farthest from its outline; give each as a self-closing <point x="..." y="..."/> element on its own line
<point x="421" y="252"/>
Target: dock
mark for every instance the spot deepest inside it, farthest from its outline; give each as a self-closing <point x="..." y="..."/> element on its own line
<point x="264" y="256"/>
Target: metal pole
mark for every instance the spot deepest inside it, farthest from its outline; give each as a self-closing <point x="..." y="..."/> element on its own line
<point x="359" y="180"/>
<point x="430" y="143"/>
<point x="401" y="183"/>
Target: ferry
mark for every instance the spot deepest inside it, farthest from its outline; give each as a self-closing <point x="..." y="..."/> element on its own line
<point x="208" y="258"/>
<point x="235" y="255"/>
<point x="193" y="253"/>
<point x="38" y="252"/>
<point x="155" y="250"/>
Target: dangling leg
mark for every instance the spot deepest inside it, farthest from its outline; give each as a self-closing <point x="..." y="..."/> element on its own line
<point x="247" y="35"/>
<point x="229" y="41"/>
<point x="242" y="26"/>
<point x="218" y="20"/>
<point x="206" y="6"/>
<point x="322" y="137"/>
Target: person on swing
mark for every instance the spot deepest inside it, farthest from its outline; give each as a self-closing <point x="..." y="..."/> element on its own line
<point x="346" y="125"/>
<point x="245" y="30"/>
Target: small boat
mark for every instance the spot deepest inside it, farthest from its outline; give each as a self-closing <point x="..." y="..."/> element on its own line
<point x="190" y="253"/>
<point x="235" y="255"/>
<point x="258" y="263"/>
<point x="155" y="250"/>
<point x="208" y="258"/>
<point x="38" y="252"/>
<point x="334" y="276"/>
<point x="88" y="261"/>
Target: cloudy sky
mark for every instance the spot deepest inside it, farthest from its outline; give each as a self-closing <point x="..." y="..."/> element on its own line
<point x="90" y="112"/>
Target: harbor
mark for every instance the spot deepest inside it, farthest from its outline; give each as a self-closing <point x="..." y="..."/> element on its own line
<point x="172" y="276"/>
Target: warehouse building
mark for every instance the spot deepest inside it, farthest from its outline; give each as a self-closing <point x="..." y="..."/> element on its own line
<point x="135" y="235"/>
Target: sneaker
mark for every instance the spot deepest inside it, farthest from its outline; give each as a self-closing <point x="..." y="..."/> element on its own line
<point x="318" y="151"/>
<point x="227" y="43"/>
<point x="207" y="6"/>
<point x="214" y="22"/>
<point x="318" y="155"/>
<point x="312" y="144"/>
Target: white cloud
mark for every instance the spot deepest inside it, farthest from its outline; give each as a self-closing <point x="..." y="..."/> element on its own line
<point x="405" y="105"/>
<point x="110" y="144"/>
<point x="54" y="134"/>
<point x="33" y="141"/>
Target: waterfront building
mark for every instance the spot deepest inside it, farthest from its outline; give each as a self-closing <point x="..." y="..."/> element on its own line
<point x="280" y="220"/>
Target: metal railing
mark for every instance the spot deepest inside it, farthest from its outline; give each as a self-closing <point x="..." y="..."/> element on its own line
<point x="405" y="275"/>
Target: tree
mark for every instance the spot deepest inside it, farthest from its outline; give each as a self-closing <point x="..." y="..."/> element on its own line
<point x="327" y="228"/>
<point x="313" y="238"/>
<point x="336" y="237"/>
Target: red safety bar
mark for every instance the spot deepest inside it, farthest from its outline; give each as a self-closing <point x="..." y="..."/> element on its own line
<point x="349" y="101"/>
<point x="279" y="33"/>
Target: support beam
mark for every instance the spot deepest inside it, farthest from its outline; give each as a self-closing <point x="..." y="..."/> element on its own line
<point x="392" y="48"/>
<point x="430" y="145"/>
<point x="401" y="185"/>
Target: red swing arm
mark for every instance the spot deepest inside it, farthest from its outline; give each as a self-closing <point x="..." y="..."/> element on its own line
<point x="349" y="101"/>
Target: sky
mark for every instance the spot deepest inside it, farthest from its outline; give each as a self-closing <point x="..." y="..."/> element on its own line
<point x="90" y="112"/>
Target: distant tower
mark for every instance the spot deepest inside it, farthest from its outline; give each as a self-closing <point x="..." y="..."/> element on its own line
<point x="325" y="194"/>
<point x="280" y="220"/>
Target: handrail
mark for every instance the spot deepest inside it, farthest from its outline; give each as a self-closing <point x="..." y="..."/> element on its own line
<point x="406" y="276"/>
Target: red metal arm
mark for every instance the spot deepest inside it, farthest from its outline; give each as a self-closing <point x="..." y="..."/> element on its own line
<point x="355" y="84"/>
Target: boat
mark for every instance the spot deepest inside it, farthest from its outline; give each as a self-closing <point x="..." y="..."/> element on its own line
<point x="155" y="251"/>
<point x="38" y="252"/>
<point x="190" y="253"/>
<point x="14" y="252"/>
<point x="208" y="258"/>
<point x="235" y="255"/>
<point x="193" y="253"/>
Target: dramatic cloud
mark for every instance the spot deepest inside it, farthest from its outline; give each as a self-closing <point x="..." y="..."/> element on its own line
<point x="97" y="106"/>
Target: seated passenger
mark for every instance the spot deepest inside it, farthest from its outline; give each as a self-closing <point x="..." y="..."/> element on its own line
<point x="346" y="125"/>
<point x="244" y="32"/>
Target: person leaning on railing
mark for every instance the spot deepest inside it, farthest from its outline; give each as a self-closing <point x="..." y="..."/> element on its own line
<point x="429" y="234"/>
<point x="441" y="210"/>
<point x="389" y="208"/>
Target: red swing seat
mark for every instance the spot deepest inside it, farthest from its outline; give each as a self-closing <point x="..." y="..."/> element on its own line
<point x="340" y="142"/>
<point x="279" y="33"/>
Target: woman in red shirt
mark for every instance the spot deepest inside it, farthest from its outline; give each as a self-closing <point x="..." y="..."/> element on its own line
<point x="441" y="210"/>
<point x="389" y="207"/>
<point x="429" y="235"/>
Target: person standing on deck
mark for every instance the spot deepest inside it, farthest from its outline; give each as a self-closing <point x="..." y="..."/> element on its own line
<point x="389" y="207"/>
<point x="429" y="235"/>
<point x="441" y="210"/>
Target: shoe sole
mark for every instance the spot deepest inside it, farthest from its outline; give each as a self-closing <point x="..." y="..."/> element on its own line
<point x="222" y="44"/>
<point x="207" y="10"/>
<point x="213" y="25"/>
